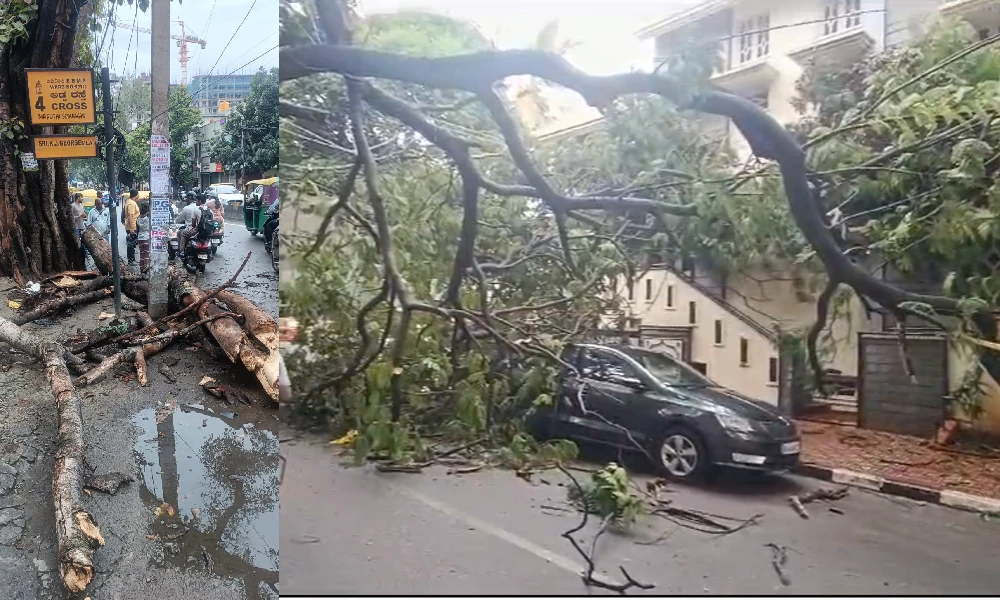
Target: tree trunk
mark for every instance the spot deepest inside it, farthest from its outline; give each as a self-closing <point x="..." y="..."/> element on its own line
<point x="37" y="235"/>
<point x="77" y="533"/>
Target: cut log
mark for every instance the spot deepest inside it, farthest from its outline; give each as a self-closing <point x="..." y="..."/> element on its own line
<point x="57" y="304"/>
<point x="259" y="358"/>
<point x="257" y="323"/>
<point x="234" y="341"/>
<point x="136" y="356"/>
<point x="77" y="533"/>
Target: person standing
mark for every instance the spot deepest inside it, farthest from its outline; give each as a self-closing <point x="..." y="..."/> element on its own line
<point x="79" y="220"/>
<point x="142" y="236"/>
<point x="100" y="219"/>
<point x="130" y="214"/>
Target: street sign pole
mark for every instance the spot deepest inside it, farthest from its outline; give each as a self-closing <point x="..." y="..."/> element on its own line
<point x="109" y="153"/>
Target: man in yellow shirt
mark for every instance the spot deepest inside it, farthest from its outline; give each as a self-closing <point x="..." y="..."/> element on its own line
<point x="131" y="217"/>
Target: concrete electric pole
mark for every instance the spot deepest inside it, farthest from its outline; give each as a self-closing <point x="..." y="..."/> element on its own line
<point x="159" y="159"/>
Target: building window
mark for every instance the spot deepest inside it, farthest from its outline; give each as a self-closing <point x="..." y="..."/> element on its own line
<point x="631" y="290"/>
<point x="841" y="15"/>
<point x="692" y="312"/>
<point x="649" y="289"/>
<point x="670" y="296"/>
<point x="634" y="323"/>
<point x="718" y="332"/>
<point x="772" y="370"/>
<point x="744" y="352"/>
<point x="755" y="37"/>
<point x="700" y="367"/>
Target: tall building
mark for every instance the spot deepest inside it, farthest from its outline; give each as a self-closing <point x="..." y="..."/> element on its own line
<point x="208" y="91"/>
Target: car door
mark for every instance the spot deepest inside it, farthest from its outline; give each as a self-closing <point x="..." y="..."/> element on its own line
<point x="608" y="393"/>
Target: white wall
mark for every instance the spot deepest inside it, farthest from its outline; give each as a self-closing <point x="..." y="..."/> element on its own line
<point x="722" y="360"/>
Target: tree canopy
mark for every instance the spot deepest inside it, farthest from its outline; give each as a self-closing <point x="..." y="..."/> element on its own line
<point x="253" y="123"/>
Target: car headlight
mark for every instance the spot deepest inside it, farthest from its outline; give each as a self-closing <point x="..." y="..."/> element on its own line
<point x="734" y="423"/>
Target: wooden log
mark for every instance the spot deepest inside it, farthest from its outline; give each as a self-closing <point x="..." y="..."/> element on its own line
<point x="57" y="304"/>
<point x="77" y="534"/>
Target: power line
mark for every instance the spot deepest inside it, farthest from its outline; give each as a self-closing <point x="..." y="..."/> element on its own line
<point x="248" y="51"/>
<point x="205" y="33"/>
<point x="233" y="37"/>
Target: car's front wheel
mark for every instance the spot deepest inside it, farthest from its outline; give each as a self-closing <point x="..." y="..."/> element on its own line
<point x="680" y="454"/>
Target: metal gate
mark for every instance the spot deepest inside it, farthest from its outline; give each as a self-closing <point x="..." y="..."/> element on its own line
<point x="888" y="400"/>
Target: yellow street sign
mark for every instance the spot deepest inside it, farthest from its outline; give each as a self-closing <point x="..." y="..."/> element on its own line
<point x="48" y="147"/>
<point x="61" y="96"/>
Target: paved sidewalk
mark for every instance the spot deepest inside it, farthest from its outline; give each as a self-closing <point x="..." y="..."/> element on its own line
<point x="899" y="458"/>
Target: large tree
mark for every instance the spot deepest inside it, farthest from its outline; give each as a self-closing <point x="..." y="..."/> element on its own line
<point x="509" y="188"/>
<point x="249" y="138"/>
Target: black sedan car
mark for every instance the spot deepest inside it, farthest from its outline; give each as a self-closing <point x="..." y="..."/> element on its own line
<point x="638" y="399"/>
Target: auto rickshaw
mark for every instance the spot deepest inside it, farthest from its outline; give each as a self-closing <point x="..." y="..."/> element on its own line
<point x="142" y="197"/>
<point x="88" y="199"/>
<point x="258" y="196"/>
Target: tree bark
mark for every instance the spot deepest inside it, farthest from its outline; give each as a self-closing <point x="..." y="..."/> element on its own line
<point x="56" y="304"/>
<point x="76" y="531"/>
<point x="37" y="235"/>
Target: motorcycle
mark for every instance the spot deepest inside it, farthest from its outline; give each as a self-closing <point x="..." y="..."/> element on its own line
<point x="274" y="250"/>
<point x="216" y="239"/>
<point x="197" y="252"/>
<point x="172" y="243"/>
<point x="267" y="245"/>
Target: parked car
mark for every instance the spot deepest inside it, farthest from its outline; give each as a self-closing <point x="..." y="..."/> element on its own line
<point x="226" y="193"/>
<point x="627" y="397"/>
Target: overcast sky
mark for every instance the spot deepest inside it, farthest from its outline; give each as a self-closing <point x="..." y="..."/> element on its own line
<point x="214" y="21"/>
<point x="603" y="28"/>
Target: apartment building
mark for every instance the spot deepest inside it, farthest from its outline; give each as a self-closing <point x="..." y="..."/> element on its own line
<point x="211" y="93"/>
<point x="727" y="327"/>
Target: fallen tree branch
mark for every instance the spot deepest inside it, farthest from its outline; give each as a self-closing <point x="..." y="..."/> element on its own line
<point x="77" y="534"/>
<point x="57" y="304"/>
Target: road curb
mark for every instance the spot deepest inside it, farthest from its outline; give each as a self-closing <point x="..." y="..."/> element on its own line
<point x="950" y="498"/>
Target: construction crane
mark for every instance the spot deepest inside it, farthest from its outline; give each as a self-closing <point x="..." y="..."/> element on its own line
<point x="182" y="41"/>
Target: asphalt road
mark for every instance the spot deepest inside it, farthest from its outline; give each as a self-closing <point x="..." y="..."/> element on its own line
<point x="213" y="464"/>
<point x="355" y="531"/>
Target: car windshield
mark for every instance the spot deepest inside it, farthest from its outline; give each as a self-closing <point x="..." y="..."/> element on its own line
<point x="667" y="370"/>
<point x="224" y="189"/>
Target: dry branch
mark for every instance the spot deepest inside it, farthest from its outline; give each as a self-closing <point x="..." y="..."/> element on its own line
<point x="77" y="533"/>
<point x="56" y="304"/>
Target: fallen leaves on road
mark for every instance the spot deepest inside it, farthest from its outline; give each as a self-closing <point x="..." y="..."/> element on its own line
<point x="164" y="509"/>
<point x="798" y="502"/>
<point x="347" y="439"/>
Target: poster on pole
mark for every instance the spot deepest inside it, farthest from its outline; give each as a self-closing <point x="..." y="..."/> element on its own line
<point x="159" y="191"/>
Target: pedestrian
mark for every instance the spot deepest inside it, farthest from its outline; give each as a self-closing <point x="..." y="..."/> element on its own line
<point x="142" y="236"/>
<point x="129" y="216"/>
<point x="100" y="219"/>
<point x="79" y="220"/>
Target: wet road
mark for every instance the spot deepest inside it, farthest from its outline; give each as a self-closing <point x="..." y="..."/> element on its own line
<point x="200" y="519"/>
<point x="355" y="531"/>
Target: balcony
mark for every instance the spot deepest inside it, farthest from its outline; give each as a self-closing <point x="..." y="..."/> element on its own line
<point x="748" y="79"/>
<point x="966" y="8"/>
<point x="837" y="50"/>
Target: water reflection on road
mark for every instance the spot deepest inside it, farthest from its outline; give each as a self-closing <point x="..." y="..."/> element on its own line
<point x="211" y="483"/>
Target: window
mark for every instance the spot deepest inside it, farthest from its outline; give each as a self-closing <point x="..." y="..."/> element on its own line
<point x="772" y="370"/>
<point x="755" y="37"/>
<point x="692" y="312"/>
<point x="841" y="15"/>
<point x="631" y="289"/>
<point x="718" y="332"/>
<point x="634" y="323"/>
<point x="649" y="289"/>
<point x="670" y="296"/>
<point x="744" y="352"/>
<point x="605" y="367"/>
<point x="700" y="367"/>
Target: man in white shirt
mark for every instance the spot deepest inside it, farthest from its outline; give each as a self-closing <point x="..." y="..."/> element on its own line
<point x="100" y="219"/>
<point x="189" y="216"/>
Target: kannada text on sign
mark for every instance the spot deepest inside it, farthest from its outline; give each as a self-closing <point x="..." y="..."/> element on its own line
<point x="61" y="97"/>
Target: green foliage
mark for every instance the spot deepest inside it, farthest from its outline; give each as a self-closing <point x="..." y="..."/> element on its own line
<point x="15" y="20"/>
<point x="13" y="129"/>
<point x="253" y="128"/>
<point x="607" y="494"/>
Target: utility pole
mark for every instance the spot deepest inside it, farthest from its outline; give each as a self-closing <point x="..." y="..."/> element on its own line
<point x="243" y="150"/>
<point x="159" y="159"/>
<point x="109" y="154"/>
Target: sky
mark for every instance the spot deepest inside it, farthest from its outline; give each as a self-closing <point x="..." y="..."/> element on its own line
<point x="214" y="21"/>
<point x="604" y="29"/>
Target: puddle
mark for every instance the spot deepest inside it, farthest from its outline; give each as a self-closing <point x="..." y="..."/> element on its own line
<point x="211" y="484"/>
